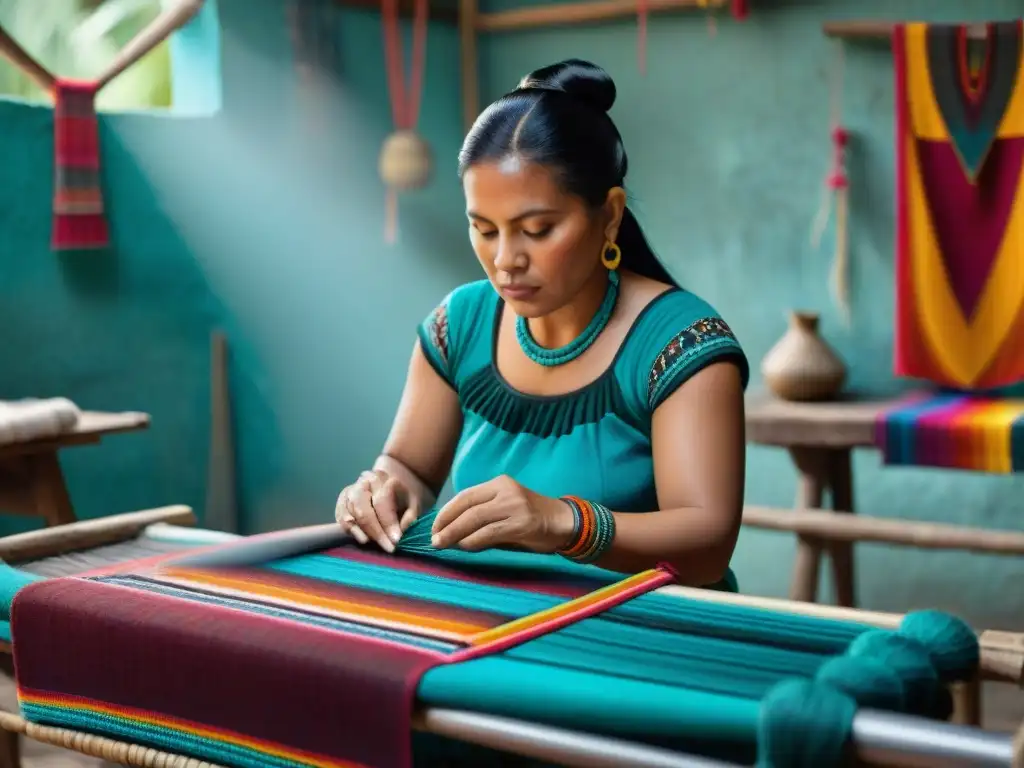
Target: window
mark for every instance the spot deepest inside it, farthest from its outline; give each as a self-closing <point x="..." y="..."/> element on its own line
<point x="79" y="38"/>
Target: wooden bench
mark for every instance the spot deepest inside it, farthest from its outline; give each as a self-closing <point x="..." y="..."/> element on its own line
<point x="820" y="438"/>
<point x="31" y="480"/>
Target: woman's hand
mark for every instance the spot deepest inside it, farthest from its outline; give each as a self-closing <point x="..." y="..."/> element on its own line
<point x="377" y="506"/>
<point x="503" y="512"/>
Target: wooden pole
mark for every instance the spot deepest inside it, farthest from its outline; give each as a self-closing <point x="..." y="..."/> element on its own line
<point x="881" y="30"/>
<point x="468" y="22"/>
<point x="818" y="524"/>
<point x="221" y="513"/>
<point x="19" y="57"/>
<point x="162" y="27"/>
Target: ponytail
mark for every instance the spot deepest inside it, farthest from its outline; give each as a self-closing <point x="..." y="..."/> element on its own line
<point x="637" y="255"/>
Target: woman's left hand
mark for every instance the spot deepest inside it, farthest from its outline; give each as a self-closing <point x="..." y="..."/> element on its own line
<point x="502" y="512"/>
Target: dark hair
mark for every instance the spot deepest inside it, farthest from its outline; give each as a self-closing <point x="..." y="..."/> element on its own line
<point x="558" y="117"/>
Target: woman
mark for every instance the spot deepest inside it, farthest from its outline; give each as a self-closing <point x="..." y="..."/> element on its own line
<point x="582" y="402"/>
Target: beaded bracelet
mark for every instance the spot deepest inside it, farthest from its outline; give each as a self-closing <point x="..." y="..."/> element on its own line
<point x="593" y="530"/>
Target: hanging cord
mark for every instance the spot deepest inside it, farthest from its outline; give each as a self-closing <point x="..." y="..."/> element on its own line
<point x="405" y="99"/>
<point x="710" y="13"/>
<point x="642" y="12"/>
<point x="837" y="186"/>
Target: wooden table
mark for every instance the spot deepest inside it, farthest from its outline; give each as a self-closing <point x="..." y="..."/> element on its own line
<point x="820" y="438"/>
<point x="31" y="480"/>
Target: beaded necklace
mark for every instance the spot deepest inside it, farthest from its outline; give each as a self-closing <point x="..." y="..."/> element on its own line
<point x="579" y="345"/>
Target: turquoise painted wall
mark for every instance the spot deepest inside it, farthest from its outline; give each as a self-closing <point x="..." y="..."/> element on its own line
<point x="729" y="145"/>
<point x="248" y="221"/>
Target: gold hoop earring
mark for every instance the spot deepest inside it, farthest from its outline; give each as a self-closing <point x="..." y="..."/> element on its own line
<point x="612" y="256"/>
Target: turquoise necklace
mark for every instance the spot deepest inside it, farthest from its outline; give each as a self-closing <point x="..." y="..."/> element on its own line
<point x="579" y="345"/>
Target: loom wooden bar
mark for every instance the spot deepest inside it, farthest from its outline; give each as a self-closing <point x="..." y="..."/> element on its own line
<point x="589" y="11"/>
<point x="86" y="534"/>
<point x="879" y="739"/>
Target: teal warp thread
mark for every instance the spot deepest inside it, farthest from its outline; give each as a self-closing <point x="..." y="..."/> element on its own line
<point x="823" y="669"/>
<point x="579" y="345"/>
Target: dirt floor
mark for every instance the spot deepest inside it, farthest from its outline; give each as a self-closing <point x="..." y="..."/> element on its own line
<point x="1003" y="708"/>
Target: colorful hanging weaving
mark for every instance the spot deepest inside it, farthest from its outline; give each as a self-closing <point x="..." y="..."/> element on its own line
<point x="960" y="207"/>
<point x="79" y="220"/>
<point x="289" y="650"/>
<point x="79" y="217"/>
<point x="954" y="431"/>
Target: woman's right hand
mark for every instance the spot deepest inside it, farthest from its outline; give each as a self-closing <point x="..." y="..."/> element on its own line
<point x="377" y="507"/>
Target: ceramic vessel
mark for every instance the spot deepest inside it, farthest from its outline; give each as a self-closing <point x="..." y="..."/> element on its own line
<point x="802" y="366"/>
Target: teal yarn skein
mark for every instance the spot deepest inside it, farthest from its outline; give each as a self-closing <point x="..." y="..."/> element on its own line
<point x="952" y="644"/>
<point x="869" y="682"/>
<point x="809" y="723"/>
<point x="803" y="724"/>
<point x="909" y="659"/>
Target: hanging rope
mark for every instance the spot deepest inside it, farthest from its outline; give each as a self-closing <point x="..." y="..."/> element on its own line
<point x="837" y="186"/>
<point x="405" y="159"/>
<point x="643" y="10"/>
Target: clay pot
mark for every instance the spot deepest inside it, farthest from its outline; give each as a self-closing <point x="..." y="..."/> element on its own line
<point x="801" y="366"/>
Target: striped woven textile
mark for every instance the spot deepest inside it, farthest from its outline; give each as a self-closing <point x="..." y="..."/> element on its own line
<point x="311" y="660"/>
<point x="79" y="220"/>
<point x="954" y="431"/>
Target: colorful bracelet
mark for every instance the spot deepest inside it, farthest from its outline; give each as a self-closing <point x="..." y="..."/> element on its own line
<point x="593" y="530"/>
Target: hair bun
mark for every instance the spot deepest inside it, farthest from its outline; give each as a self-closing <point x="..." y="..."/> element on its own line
<point x="579" y="79"/>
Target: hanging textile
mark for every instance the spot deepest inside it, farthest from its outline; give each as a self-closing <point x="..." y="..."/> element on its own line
<point x="79" y="220"/>
<point x="960" y="207"/>
<point x="79" y="216"/>
<point x="954" y="431"/>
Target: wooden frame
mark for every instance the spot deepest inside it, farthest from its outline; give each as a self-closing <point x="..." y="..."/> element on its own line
<point x="879" y="30"/>
<point x="472" y="22"/>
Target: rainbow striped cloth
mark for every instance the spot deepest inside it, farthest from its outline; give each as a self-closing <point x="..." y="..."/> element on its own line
<point x="954" y="431"/>
<point x="311" y="660"/>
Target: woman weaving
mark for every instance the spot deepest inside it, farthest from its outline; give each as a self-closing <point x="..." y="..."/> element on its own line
<point x="581" y="401"/>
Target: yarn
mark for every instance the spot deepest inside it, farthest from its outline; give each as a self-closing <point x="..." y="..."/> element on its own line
<point x="952" y="645"/>
<point x="804" y="724"/>
<point x="869" y="682"/>
<point x="909" y="659"/>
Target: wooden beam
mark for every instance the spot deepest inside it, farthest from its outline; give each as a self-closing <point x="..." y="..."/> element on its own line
<point x="438" y="11"/>
<point x="587" y="12"/>
<point x="825" y="525"/>
<point x="881" y="30"/>
<point x="469" y="10"/>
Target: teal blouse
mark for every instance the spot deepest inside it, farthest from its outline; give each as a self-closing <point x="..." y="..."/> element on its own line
<point x="594" y="442"/>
